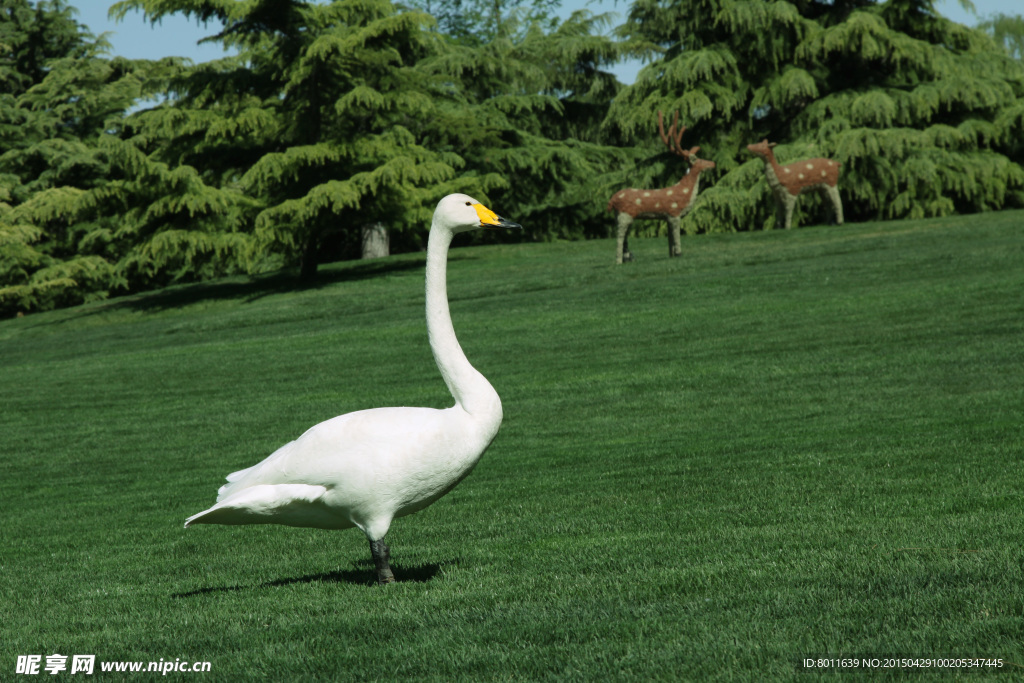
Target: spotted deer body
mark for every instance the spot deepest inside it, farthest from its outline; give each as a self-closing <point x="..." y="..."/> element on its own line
<point x="671" y="203"/>
<point x="789" y="181"/>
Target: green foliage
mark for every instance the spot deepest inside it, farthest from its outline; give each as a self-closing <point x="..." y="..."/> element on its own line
<point x="529" y="106"/>
<point x="31" y="35"/>
<point x="476" y="23"/>
<point x="310" y="121"/>
<point x="61" y="97"/>
<point x="336" y="115"/>
<point x="31" y="278"/>
<point x="171" y="226"/>
<point x="1007" y="30"/>
<point x="921" y="112"/>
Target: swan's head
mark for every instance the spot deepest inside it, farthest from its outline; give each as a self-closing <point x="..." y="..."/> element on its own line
<point x="459" y="212"/>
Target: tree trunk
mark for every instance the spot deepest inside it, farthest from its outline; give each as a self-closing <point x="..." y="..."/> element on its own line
<point x="309" y="262"/>
<point x="376" y="241"/>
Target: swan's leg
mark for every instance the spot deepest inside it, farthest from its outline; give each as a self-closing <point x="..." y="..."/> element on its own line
<point x="382" y="560"/>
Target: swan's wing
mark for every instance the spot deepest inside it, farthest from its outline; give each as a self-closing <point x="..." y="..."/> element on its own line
<point x="357" y="449"/>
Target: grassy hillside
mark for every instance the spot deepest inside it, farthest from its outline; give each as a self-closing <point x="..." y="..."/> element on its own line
<point x="779" y="445"/>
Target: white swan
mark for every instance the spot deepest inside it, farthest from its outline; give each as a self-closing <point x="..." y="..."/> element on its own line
<point x="366" y="468"/>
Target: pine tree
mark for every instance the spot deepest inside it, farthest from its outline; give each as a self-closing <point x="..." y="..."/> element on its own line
<point x="1008" y="31"/>
<point x="312" y="120"/>
<point x="168" y="225"/>
<point x="529" y="106"/>
<point x="921" y="112"/>
<point x="60" y="97"/>
<point x="475" y="23"/>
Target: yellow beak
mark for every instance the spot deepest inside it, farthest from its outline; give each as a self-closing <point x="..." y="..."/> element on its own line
<point x="489" y="219"/>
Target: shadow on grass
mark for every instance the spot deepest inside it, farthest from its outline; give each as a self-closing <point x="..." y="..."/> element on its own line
<point x="251" y="289"/>
<point x="357" y="577"/>
<point x="255" y="288"/>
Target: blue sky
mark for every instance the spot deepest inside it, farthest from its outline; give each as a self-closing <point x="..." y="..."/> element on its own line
<point x="175" y="36"/>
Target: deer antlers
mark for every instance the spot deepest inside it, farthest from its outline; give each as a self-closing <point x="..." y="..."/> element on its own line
<point x="673" y="138"/>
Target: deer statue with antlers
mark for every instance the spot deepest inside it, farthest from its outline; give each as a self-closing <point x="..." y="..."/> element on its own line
<point x="670" y="203"/>
<point x="791" y="180"/>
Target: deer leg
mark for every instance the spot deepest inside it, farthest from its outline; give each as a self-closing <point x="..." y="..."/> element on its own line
<point x="837" y="203"/>
<point x="622" y="239"/>
<point x="780" y="212"/>
<point x="674" y="246"/>
<point x="790" y="203"/>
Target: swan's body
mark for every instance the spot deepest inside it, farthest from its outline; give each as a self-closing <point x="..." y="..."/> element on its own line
<point x="365" y="468"/>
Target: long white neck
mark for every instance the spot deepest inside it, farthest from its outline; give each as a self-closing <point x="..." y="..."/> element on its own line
<point x="471" y="390"/>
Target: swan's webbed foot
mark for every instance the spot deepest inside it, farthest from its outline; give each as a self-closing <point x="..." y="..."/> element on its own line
<point x="382" y="561"/>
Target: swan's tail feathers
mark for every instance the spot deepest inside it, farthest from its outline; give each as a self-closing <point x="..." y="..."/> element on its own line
<point x="242" y="479"/>
<point x="289" y="504"/>
<point x="235" y="483"/>
<point x="235" y="476"/>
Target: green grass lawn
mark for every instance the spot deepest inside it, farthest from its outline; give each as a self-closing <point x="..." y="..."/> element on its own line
<point x="780" y="445"/>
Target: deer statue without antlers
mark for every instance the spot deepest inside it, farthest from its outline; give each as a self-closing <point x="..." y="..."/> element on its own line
<point x="670" y="203"/>
<point x="794" y="179"/>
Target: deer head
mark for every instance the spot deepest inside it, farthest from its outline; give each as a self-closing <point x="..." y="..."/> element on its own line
<point x="762" y="149"/>
<point x="698" y="165"/>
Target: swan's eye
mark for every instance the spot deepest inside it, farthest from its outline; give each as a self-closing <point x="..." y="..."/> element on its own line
<point x="469" y="203"/>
